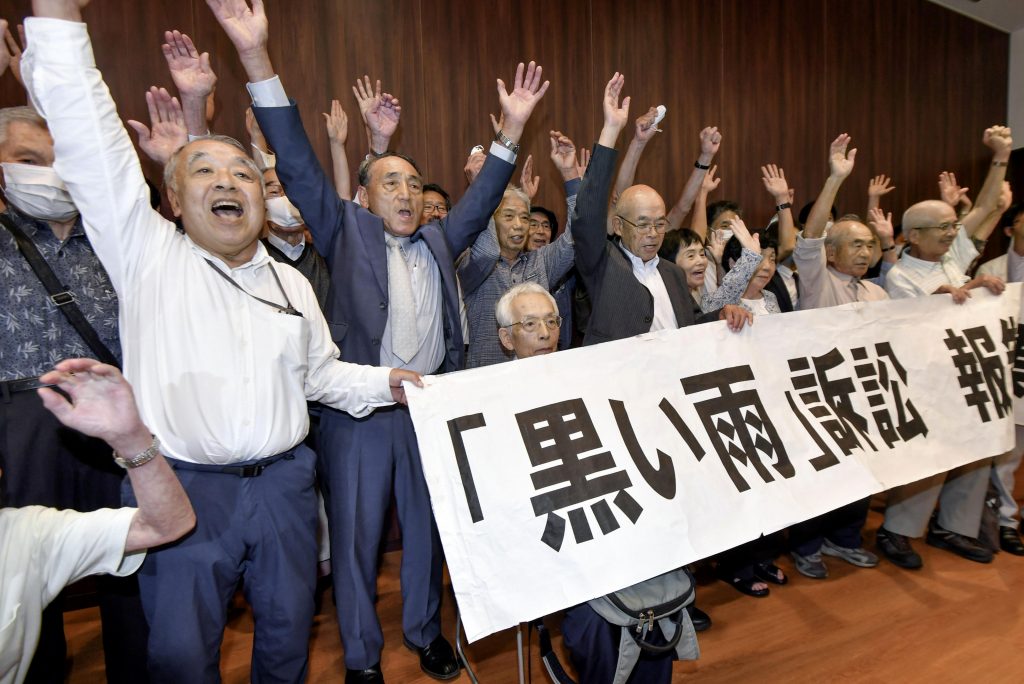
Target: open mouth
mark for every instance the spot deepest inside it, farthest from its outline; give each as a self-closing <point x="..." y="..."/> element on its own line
<point x="405" y="213"/>
<point x="227" y="209"/>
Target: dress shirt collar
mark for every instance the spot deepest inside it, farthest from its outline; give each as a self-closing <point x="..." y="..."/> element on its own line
<point x="921" y="265"/>
<point x="845" y="277"/>
<point x="291" y="251"/>
<point x="638" y="263"/>
<point x="260" y="258"/>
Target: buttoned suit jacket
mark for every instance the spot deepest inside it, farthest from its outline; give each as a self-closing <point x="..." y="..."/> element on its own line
<point x="622" y="305"/>
<point x="351" y="240"/>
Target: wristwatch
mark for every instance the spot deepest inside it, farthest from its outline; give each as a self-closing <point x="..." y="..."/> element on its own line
<point x="139" y="459"/>
<point x="505" y="142"/>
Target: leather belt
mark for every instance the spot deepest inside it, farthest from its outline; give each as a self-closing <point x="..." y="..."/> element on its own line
<point x="251" y="470"/>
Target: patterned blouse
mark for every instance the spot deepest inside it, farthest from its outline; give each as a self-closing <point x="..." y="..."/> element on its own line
<point x="34" y="334"/>
<point x="734" y="284"/>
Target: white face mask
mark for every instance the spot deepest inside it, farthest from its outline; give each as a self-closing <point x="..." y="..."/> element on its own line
<point x="38" y="191"/>
<point x="281" y="211"/>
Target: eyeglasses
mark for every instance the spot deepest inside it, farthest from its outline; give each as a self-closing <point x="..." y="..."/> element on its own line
<point x="944" y="227"/>
<point x="439" y="208"/>
<point x="659" y="226"/>
<point x="531" y="325"/>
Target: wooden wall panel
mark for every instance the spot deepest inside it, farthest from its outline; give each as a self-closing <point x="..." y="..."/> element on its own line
<point x="915" y="84"/>
<point x="774" y="76"/>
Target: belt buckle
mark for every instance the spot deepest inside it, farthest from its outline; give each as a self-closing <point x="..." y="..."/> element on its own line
<point x="253" y="470"/>
<point x="63" y="298"/>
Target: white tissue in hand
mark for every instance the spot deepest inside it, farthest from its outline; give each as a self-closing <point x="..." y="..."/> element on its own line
<point x="660" y="115"/>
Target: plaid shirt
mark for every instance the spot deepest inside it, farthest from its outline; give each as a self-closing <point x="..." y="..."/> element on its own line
<point x="34" y="334"/>
<point x="485" y="277"/>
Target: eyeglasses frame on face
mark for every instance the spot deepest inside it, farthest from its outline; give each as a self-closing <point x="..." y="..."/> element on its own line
<point x="944" y="227"/>
<point x="435" y="207"/>
<point x="660" y="226"/>
<point x="530" y="324"/>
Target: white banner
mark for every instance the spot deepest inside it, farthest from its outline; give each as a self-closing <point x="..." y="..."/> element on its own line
<point x="560" y="478"/>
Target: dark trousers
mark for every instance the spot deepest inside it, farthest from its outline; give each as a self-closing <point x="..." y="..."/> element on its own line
<point x="257" y="530"/>
<point x="739" y="561"/>
<point x="842" y="527"/>
<point x="361" y="460"/>
<point x="593" y="645"/>
<point x="47" y="464"/>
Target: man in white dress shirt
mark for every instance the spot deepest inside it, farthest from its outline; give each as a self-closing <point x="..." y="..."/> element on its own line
<point x="224" y="347"/>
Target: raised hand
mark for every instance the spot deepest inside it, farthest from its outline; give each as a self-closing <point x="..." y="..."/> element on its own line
<point x="709" y="182"/>
<point x="710" y="141"/>
<point x="880" y="185"/>
<point x="527" y="181"/>
<point x="645" y="128"/>
<point x="167" y="132"/>
<point x="337" y="124"/>
<point x="517" y="105"/>
<point x="739" y="229"/>
<point x="10" y="51"/>
<point x="774" y="179"/>
<point x="882" y="224"/>
<point x="950" y="191"/>
<point x="474" y="163"/>
<point x="247" y="28"/>
<point x="583" y="162"/>
<point x="6" y="54"/>
<point x="563" y="154"/>
<point x="253" y="129"/>
<point x="999" y="139"/>
<point x="840" y="162"/>
<point x="189" y="69"/>
<point x="380" y="111"/>
<point x="615" y="115"/>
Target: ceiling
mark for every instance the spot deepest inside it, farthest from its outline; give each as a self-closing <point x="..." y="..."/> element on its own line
<point x="1007" y="15"/>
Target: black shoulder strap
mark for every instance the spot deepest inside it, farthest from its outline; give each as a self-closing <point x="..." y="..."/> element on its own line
<point x="63" y="298"/>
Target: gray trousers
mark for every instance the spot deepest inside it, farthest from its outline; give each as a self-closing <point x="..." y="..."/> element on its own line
<point x="1004" y="470"/>
<point x="960" y="494"/>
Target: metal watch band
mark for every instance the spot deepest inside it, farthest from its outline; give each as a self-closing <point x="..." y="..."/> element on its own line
<point x="141" y="458"/>
<point x="505" y="142"/>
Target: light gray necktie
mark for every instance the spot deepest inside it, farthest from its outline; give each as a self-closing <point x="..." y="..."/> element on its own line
<point x="401" y="304"/>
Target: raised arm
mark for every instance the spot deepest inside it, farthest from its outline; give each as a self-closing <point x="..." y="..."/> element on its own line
<point x="380" y="112"/>
<point x="297" y="165"/>
<point x="102" y="405"/>
<point x="953" y="195"/>
<point x="93" y="154"/>
<point x="734" y="283"/>
<point x="840" y="164"/>
<point x="774" y="179"/>
<point x="878" y="186"/>
<point x="591" y="216"/>
<point x="708" y="183"/>
<point x="527" y="181"/>
<point x="645" y="132"/>
<point x="710" y="141"/>
<point x="337" y="133"/>
<point x="470" y="214"/>
<point x="192" y="76"/>
<point x="559" y="255"/>
<point x="881" y="225"/>
<point x="997" y="138"/>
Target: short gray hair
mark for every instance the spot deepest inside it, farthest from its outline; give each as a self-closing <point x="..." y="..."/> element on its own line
<point x="171" y="168"/>
<point x="834" y="238"/>
<point x="503" y="309"/>
<point x="23" y="114"/>
<point x="513" y="191"/>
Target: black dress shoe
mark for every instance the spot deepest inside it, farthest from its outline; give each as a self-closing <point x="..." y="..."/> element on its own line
<point x="965" y="547"/>
<point x="371" y="675"/>
<point x="437" y="658"/>
<point x="701" y="620"/>
<point x="1009" y="541"/>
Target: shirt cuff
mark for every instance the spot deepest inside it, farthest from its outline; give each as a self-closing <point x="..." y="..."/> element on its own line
<point x="268" y="93"/>
<point x="503" y="153"/>
<point x="197" y="137"/>
<point x="58" y="41"/>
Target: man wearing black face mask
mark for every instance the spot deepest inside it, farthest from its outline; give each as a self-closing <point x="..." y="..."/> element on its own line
<point x="43" y="462"/>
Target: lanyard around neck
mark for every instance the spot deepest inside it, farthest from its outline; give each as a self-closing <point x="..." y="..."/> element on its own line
<point x="286" y="309"/>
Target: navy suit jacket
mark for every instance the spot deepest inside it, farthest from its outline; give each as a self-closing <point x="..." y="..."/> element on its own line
<point x="351" y="240"/>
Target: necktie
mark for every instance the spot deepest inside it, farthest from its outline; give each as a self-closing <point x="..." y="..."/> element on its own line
<point x="401" y="304"/>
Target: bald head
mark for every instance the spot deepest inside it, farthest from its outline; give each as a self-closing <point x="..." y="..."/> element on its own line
<point x="923" y="224"/>
<point x="640" y="205"/>
<point x="927" y="213"/>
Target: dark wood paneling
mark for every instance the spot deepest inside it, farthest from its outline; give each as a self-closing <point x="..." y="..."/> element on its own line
<point x="912" y="82"/>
